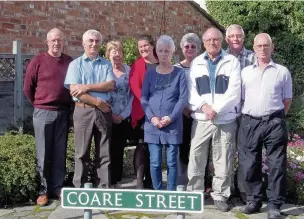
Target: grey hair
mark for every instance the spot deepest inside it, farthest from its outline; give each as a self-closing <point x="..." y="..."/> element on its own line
<point x="91" y="33"/>
<point x="191" y="37"/>
<point x="52" y="31"/>
<point x="167" y="40"/>
<point x="267" y="35"/>
<point x="213" y="28"/>
<point x="232" y="26"/>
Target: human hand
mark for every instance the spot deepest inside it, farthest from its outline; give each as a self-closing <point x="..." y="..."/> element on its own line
<point x="116" y="119"/>
<point x="209" y="111"/>
<point x="103" y="106"/>
<point x="187" y="112"/>
<point x="110" y="85"/>
<point x="156" y="122"/>
<point x="165" y="121"/>
<point x="78" y="89"/>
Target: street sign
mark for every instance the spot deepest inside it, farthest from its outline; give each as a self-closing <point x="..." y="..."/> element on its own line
<point x="126" y="199"/>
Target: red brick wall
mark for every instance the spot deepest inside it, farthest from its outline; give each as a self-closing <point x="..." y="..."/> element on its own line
<point x="30" y="21"/>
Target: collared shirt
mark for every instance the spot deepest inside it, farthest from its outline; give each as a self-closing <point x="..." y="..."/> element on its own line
<point x="83" y="70"/>
<point x="246" y="57"/>
<point x="212" y="67"/>
<point x="263" y="92"/>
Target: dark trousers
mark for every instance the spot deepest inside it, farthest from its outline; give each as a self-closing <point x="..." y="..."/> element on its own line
<point x="253" y="134"/>
<point x="51" y="134"/>
<point x="184" y="150"/>
<point x="88" y="123"/>
<point x="141" y="160"/>
<point x="118" y="144"/>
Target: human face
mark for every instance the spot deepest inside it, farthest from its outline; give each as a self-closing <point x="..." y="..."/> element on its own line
<point x="55" y="43"/>
<point x="212" y="42"/>
<point x="145" y="49"/>
<point x="263" y="47"/>
<point x="164" y="53"/>
<point x="116" y="56"/>
<point x="91" y="45"/>
<point x="190" y="50"/>
<point x="235" y="39"/>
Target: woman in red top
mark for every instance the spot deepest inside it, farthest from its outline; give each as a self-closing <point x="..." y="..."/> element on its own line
<point x="147" y="60"/>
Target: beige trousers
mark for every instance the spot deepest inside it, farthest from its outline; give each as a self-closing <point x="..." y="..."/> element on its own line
<point x="221" y="138"/>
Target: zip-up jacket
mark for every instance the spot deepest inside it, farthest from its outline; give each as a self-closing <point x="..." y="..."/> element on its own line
<point x="225" y="99"/>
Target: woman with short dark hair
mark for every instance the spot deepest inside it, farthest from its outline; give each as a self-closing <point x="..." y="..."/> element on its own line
<point x="146" y="61"/>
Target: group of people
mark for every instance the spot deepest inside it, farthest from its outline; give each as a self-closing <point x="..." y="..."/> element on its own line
<point x="219" y="101"/>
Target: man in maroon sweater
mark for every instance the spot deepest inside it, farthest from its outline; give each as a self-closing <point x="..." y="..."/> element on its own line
<point x="43" y="86"/>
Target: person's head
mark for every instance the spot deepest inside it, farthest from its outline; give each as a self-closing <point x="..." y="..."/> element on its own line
<point x="91" y="41"/>
<point x="235" y="37"/>
<point x="212" y="39"/>
<point x="114" y="52"/>
<point x="55" y="41"/>
<point x="145" y="45"/>
<point x="190" y="45"/>
<point x="263" y="47"/>
<point x="165" y="48"/>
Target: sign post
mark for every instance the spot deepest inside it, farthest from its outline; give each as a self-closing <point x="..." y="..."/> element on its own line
<point x="130" y="200"/>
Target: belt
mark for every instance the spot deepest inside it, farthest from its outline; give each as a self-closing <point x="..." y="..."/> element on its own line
<point x="84" y="105"/>
<point x="276" y="114"/>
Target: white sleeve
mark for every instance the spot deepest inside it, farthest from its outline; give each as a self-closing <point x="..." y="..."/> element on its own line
<point x="232" y="96"/>
<point x="194" y="99"/>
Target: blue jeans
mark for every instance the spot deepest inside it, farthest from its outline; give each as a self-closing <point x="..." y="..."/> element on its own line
<point x="155" y="165"/>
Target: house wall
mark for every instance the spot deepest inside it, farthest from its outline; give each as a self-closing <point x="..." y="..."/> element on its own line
<point x="30" y="21"/>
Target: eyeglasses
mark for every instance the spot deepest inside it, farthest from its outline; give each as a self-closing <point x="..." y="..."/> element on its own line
<point x="238" y="36"/>
<point x="192" y="47"/>
<point x="266" y="46"/>
<point x="212" y="39"/>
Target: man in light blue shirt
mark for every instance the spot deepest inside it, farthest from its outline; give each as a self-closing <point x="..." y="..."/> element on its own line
<point x="90" y="80"/>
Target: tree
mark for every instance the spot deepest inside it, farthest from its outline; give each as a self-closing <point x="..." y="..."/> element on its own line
<point x="282" y="20"/>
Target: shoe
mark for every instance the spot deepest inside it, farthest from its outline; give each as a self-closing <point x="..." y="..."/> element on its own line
<point x="57" y="194"/>
<point x="221" y="206"/>
<point x="243" y="197"/>
<point x="273" y="213"/>
<point x="42" y="200"/>
<point x="251" y="207"/>
<point x="117" y="186"/>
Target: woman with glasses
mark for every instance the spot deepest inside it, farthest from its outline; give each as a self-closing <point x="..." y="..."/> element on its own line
<point x="190" y="45"/>
<point x="164" y="96"/>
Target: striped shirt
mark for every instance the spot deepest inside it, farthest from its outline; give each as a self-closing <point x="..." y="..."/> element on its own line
<point x="246" y="57"/>
<point x="263" y="92"/>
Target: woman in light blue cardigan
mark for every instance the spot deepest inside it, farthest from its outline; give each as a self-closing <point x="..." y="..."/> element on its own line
<point x="164" y="96"/>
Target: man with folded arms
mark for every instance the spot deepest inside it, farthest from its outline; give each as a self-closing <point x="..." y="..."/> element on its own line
<point x="90" y="80"/>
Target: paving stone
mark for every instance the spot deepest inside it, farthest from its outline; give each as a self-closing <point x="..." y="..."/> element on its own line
<point x="4" y="212"/>
<point x="129" y="217"/>
<point x="61" y="213"/>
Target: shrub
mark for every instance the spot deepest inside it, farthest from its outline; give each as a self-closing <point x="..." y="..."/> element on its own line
<point x="19" y="179"/>
<point x="18" y="175"/>
<point x="129" y="48"/>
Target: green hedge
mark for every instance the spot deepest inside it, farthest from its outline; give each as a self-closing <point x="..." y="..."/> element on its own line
<point x="19" y="180"/>
<point x="18" y="176"/>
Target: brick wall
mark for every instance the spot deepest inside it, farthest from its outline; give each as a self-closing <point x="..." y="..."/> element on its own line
<point x="30" y="21"/>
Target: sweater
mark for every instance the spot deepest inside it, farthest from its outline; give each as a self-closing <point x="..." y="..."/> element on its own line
<point x="44" y="82"/>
